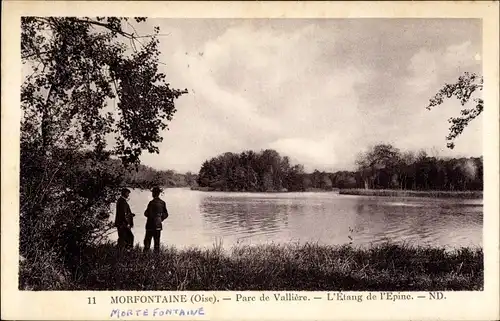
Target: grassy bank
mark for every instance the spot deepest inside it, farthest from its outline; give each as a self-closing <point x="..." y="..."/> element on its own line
<point x="408" y="193"/>
<point x="307" y="267"/>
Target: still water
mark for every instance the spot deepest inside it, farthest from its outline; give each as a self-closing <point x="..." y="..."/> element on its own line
<point x="204" y="218"/>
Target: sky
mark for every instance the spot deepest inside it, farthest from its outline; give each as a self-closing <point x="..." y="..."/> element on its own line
<point x="317" y="90"/>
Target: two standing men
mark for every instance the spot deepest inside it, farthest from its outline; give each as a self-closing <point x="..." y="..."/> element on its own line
<point x="156" y="213"/>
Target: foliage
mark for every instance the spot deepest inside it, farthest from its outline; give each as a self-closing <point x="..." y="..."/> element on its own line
<point x="146" y="177"/>
<point x="463" y="90"/>
<point x="381" y="159"/>
<point x="265" y="171"/>
<point x="79" y="64"/>
<point x="382" y="166"/>
<point x="76" y="70"/>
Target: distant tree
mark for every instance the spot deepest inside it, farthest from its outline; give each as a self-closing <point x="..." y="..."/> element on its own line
<point x="463" y="90"/>
<point x="295" y="178"/>
<point x="267" y="182"/>
<point x="378" y="163"/>
<point x="306" y="182"/>
<point x="190" y="178"/>
<point x="250" y="171"/>
<point x="326" y="182"/>
<point x="204" y="175"/>
<point x="381" y="166"/>
<point x="344" y="179"/>
<point x="316" y="179"/>
<point x="406" y="169"/>
<point x="270" y="170"/>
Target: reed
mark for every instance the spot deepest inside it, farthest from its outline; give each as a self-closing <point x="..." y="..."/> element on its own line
<point x="411" y="193"/>
<point x="300" y="267"/>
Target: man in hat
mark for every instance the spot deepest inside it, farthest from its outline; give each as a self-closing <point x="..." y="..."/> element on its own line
<point x="156" y="213"/>
<point x="124" y="220"/>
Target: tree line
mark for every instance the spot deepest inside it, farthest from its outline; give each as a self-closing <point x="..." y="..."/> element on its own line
<point x="381" y="167"/>
<point x="146" y="177"/>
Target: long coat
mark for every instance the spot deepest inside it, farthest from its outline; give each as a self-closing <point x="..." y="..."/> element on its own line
<point x="156" y="213"/>
<point x="124" y="216"/>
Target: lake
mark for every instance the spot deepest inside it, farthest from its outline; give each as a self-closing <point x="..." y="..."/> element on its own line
<point x="199" y="218"/>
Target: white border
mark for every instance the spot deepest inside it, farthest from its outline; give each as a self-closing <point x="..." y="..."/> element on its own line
<point x="73" y="305"/>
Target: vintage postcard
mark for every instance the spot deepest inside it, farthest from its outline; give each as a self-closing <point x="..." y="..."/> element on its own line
<point x="250" y="160"/>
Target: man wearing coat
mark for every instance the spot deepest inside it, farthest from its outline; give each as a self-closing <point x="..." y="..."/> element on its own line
<point x="124" y="221"/>
<point x="156" y="213"/>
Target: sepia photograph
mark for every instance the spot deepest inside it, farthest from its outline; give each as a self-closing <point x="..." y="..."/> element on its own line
<point x="231" y="154"/>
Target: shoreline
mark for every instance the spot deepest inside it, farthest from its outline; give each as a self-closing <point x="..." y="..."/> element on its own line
<point x="277" y="267"/>
<point x="367" y="192"/>
<point x="310" y="190"/>
<point x="413" y="193"/>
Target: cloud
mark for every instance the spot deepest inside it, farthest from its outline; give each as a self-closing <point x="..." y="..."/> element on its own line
<point x="423" y="69"/>
<point x="306" y="89"/>
<point x="462" y="55"/>
<point x="321" y="152"/>
<point x="331" y="152"/>
<point x="426" y="67"/>
<point x="260" y="88"/>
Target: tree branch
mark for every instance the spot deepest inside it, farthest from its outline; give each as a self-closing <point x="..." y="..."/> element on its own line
<point x="105" y="25"/>
<point x="35" y="54"/>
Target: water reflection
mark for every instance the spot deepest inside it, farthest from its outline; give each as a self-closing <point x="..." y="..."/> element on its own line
<point x="202" y="218"/>
<point x="245" y="217"/>
<point x="450" y="223"/>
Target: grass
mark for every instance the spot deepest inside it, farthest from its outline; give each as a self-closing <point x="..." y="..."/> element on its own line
<point x="305" y="267"/>
<point x="406" y="193"/>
